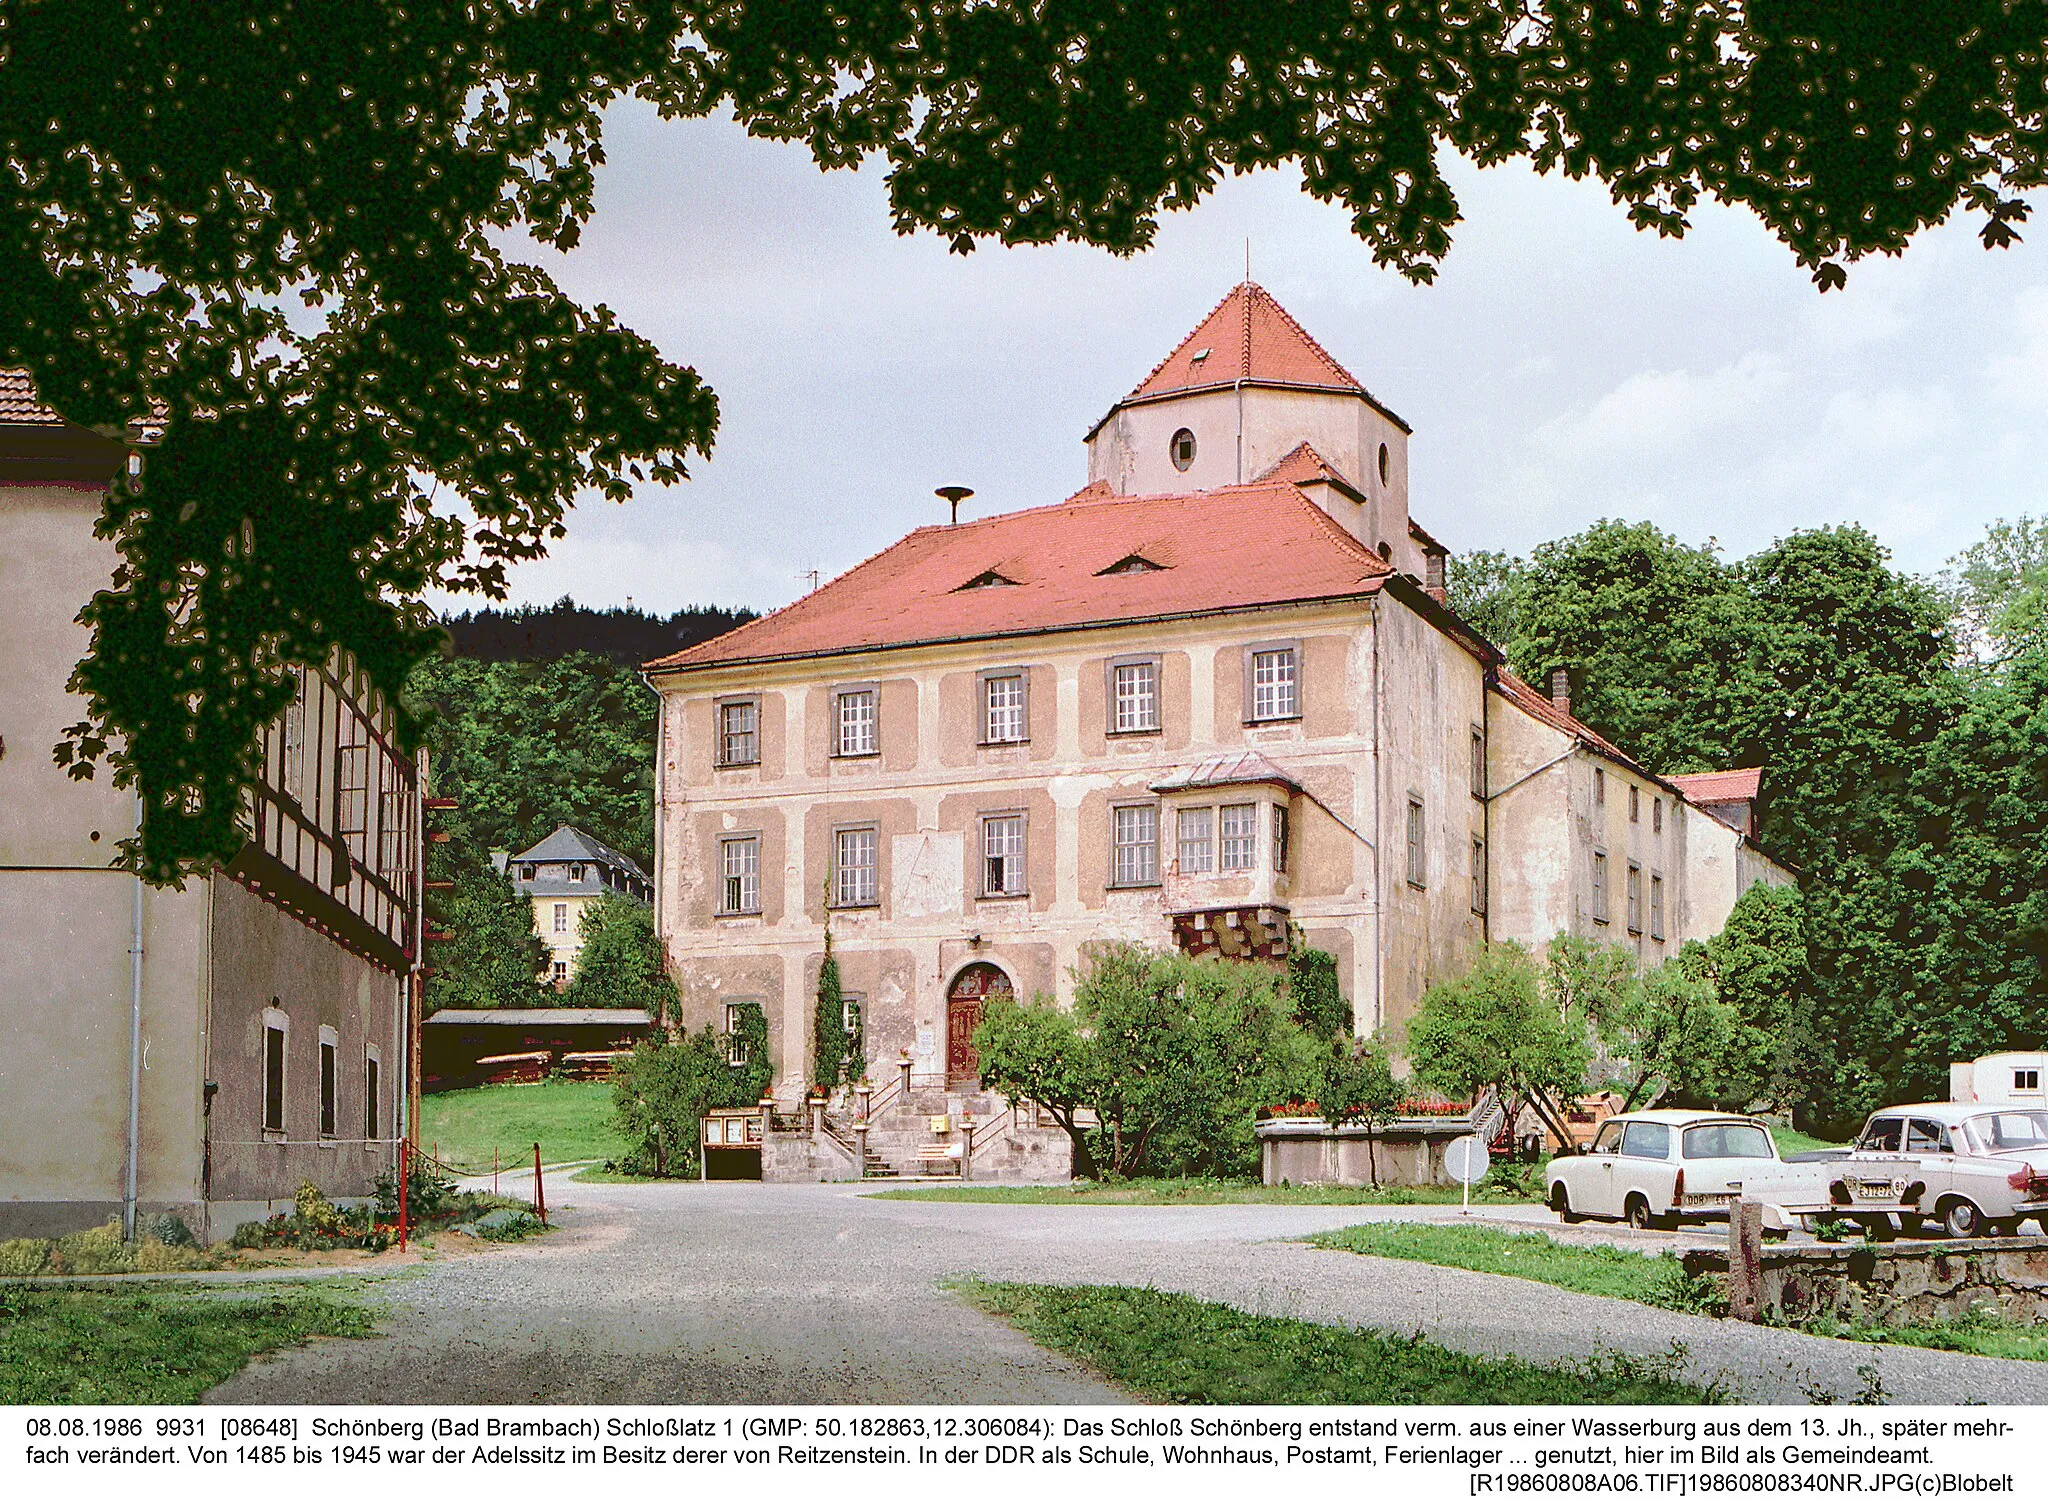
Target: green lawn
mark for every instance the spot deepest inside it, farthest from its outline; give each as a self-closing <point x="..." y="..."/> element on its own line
<point x="1611" y="1271"/>
<point x="1190" y="1192"/>
<point x="1177" y="1349"/>
<point x="157" y="1345"/>
<point x="1791" y="1140"/>
<point x="570" y="1119"/>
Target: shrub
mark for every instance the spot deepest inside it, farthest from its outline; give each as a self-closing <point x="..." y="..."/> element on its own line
<point x="23" y="1257"/>
<point x="170" y="1230"/>
<point x="99" y="1250"/>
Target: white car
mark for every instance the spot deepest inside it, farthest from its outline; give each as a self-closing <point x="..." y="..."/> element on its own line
<point x="1977" y="1169"/>
<point x="1658" y="1168"/>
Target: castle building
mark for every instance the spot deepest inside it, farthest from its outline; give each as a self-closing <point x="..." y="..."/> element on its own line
<point x="197" y="1052"/>
<point x="1215" y="699"/>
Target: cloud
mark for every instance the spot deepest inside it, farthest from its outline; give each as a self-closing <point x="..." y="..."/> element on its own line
<point x="2022" y="377"/>
<point x="1663" y="412"/>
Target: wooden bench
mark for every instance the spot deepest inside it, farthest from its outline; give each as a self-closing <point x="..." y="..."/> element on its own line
<point x="931" y="1155"/>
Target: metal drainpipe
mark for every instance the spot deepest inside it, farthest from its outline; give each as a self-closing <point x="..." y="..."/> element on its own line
<point x="660" y="819"/>
<point x="134" y="1045"/>
<point x="1379" y="896"/>
<point x="1486" y="683"/>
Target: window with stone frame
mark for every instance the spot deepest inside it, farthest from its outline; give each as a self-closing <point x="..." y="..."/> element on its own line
<point x="1134" y="697"/>
<point x="1478" y="875"/>
<point x="1600" y="887"/>
<point x="1134" y="840"/>
<point x="1275" y="687"/>
<point x="1238" y="837"/>
<point x="1478" y="770"/>
<point x="859" y="733"/>
<point x="739" y="733"/>
<point x="735" y="1031"/>
<point x="1634" y="898"/>
<point x="1002" y="850"/>
<point x="330" y="1081"/>
<point x="1279" y="838"/>
<point x="275" y="1033"/>
<point x="1656" y="906"/>
<point x="740" y="862"/>
<point x="855" y="868"/>
<point x="373" y="1096"/>
<point x="1003" y="706"/>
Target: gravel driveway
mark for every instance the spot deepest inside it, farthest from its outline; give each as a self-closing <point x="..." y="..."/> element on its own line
<point x="749" y="1293"/>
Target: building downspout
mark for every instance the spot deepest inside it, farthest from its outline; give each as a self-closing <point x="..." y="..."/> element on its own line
<point x="1486" y="682"/>
<point x="660" y="821"/>
<point x="134" y="1045"/>
<point x="1379" y="896"/>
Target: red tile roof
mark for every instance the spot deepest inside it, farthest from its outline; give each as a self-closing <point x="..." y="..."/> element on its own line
<point x="1735" y="786"/>
<point x="1227" y="549"/>
<point x="1247" y="336"/>
<point x="1525" y="697"/>
<point x="18" y="404"/>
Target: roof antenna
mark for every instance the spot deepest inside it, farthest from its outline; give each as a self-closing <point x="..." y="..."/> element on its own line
<point x="811" y="575"/>
<point x="953" y="495"/>
<point x="1247" y="258"/>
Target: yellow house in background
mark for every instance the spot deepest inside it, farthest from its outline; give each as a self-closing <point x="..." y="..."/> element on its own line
<point x="562" y="876"/>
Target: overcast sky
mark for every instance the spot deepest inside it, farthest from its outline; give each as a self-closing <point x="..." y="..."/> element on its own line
<point x="1564" y="367"/>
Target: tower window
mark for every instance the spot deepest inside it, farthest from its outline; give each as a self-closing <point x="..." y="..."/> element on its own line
<point x="1386" y="466"/>
<point x="1183" y="449"/>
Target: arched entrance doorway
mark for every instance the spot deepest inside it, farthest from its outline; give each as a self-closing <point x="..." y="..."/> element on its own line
<point x="971" y="990"/>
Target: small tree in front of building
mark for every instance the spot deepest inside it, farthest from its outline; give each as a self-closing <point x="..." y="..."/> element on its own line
<point x="830" y="1045"/>
<point x="619" y="962"/>
<point x="661" y="1092"/>
<point x="1358" y="1087"/>
<point x="1496" y="1028"/>
<point x="1174" y="1056"/>
<point x="1318" y="1002"/>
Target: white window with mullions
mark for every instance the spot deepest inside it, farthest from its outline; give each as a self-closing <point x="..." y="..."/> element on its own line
<point x="854" y="871"/>
<point x="739" y="732"/>
<point x="1134" y="696"/>
<point x="1196" y="829"/>
<point x="858" y="733"/>
<point x="1134" y="835"/>
<point x="1003" y="709"/>
<point x="1274" y="675"/>
<point x="1239" y="832"/>
<point x="1002" y="856"/>
<point x="740" y="860"/>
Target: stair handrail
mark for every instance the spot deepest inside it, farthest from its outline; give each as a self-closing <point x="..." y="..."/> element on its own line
<point x="994" y="1127"/>
<point x="881" y="1096"/>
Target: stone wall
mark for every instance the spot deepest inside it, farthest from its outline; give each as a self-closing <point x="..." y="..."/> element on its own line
<point x="1895" y="1284"/>
<point x="1308" y="1151"/>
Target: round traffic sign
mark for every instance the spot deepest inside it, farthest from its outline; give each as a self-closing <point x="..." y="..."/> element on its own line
<point x="1466" y="1160"/>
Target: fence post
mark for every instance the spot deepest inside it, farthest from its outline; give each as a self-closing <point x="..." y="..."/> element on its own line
<point x="860" y="1148"/>
<point x="903" y="1065"/>
<point x="1746" y="1261"/>
<point x="540" y="1194"/>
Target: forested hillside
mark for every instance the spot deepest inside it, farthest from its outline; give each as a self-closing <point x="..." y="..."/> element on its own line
<point x="1903" y="728"/>
<point x="539" y="718"/>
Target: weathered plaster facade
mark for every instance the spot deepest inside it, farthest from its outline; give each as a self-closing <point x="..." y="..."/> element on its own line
<point x="1428" y="800"/>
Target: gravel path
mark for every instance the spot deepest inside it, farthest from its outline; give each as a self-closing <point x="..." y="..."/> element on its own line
<point x="748" y="1293"/>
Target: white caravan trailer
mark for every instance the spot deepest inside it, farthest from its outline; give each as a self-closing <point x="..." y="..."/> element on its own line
<point x="2000" y="1079"/>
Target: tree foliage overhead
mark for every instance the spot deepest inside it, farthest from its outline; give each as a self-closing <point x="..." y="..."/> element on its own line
<point x="278" y="226"/>
<point x="619" y="962"/>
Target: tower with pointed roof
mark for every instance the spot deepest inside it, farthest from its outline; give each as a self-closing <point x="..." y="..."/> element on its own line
<point x="1240" y="395"/>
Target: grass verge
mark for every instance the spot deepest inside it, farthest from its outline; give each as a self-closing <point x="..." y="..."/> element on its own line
<point x="1983" y="1332"/>
<point x="1612" y="1271"/>
<point x="1193" y="1192"/>
<point x="156" y="1345"/>
<point x="1178" y="1349"/>
<point x="570" y="1119"/>
<point x="1790" y="1140"/>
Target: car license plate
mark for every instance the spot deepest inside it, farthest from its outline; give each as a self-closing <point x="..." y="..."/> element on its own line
<point x="1876" y="1189"/>
<point x="1710" y="1199"/>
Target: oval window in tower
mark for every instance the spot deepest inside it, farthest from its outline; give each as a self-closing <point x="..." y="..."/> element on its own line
<point x="1384" y="466"/>
<point x="1183" y="449"/>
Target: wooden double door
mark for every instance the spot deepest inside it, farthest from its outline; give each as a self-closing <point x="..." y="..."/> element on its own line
<point x="970" y="993"/>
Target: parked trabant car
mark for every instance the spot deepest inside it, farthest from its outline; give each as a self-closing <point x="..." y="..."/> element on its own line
<point x="1659" y="1168"/>
<point x="1977" y="1169"/>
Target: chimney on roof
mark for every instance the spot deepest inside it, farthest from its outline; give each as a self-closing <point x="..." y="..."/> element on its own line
<point x="1561" y="690"/>
<point x="953" y="495"/>
<point x="1433" y="578"/>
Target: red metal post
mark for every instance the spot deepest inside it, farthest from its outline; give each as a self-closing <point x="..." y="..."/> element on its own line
<point x="540" y="1194"/>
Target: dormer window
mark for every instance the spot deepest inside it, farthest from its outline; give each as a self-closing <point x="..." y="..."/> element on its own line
<point x="1182" y="448"/>
<point x="1133" y="563"/>
<point x="988" y="581"/>
<point x="576" y="874"/>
